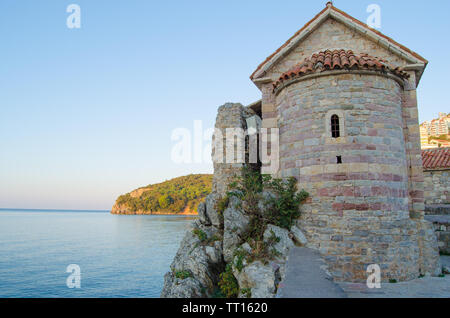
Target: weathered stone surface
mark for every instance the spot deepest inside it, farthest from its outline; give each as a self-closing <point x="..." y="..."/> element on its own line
<point x="437" y="209"/>
<point x="298" y="236"/>
<point x="246" y="247"/>
<point x="214" y="253"/>
<point x="181" y="288"/>
<point x="230" y="115"/>
<point x="285" y="242"/>
<point x="437" y="187"/>
<point x="446" y="270"/>
<point x="211" y="212"/>
<point x="441" y="225"/>
<point x="204" y="262"/>
<point x="202" y="214"/>
<point x="261" y="279"/>
<point x="263" y="203"/>
<point x="307" y="277"/>
<point x="235" y="224"/>
<point x="429" y="251"/>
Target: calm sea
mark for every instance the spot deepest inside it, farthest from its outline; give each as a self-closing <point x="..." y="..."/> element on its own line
<point x="119" y="256"/>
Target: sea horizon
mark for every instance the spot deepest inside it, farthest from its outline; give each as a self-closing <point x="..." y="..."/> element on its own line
<point x="55" y="210"/>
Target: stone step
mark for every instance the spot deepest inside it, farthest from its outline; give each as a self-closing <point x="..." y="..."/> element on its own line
<point x="305" y="278"/>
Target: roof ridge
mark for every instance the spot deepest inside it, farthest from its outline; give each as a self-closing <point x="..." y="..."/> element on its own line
<point x="330" y="7"/>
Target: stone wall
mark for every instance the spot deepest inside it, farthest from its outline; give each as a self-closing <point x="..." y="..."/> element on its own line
<point x="230" y="115"/>
<point x="437" y="187"/>
<point x="441" y="225"/>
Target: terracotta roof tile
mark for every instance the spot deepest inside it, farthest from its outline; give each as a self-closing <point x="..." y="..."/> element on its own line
<point x="436" y="158"/>
<point x="338" y="60"/>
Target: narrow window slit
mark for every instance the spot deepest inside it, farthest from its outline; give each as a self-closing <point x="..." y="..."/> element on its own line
<point x="339" y="160"/>
<point x="335" y="129"/>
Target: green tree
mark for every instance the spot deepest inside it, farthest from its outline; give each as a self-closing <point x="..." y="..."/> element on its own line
<point x="165" y="201"/>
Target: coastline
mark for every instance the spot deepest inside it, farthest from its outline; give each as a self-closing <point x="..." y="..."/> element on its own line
<point x="186" y="212"/>
<point x="156" y="213"/>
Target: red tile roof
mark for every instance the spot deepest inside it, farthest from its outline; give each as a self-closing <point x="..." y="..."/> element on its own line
<point x="330" y="5"/>
<point x="338" y="60"/>
<point x="436" y="158"/>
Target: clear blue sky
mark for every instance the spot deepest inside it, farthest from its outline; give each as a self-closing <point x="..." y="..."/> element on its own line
<point x="86" y="115"/>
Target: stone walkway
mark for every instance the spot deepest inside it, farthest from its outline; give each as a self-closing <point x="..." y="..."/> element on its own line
<point x="306" y="279"/>
<point x="426" y="287"/>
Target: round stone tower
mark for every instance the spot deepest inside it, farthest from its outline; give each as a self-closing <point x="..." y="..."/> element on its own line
<point x="341" y="135"/>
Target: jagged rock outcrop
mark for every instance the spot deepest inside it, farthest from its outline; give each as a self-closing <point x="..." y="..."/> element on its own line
<point x="205" y="251"/>
<point x="284" y="239"/>
<point x="181" y="288"/>
<point x="202" y="214"/>
<point x="297" y="236"/>
<point x="199" y="259"/>
<point x="211" y="211"/>
<point x="235" y="224"/>
<point x="261" y="279"/>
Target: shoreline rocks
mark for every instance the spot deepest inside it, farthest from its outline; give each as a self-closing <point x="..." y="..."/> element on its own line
<point x="208" y="247"/>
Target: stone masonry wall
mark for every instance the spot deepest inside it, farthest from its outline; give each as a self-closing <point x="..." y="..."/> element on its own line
<point x="437" y="187"/>
<point x="229" y="116"/>
<point x="441" y="225"/>
<point x="359" y="211"/>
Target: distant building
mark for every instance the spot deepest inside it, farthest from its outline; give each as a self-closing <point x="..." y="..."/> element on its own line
<point x="439" y="126"/>
<point x="435" y="128"/>
<point x="424" y="137"/>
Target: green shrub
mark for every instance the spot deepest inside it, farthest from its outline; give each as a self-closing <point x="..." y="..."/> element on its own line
<point x="393" y="281"/>
<point x="217" y="294"/>
<point x="284" y="207"/>
<point x="240" y="255"/>
<point x="221" y="205"/>
<point x="281" y="209"/>
<point x="183" y="274"/>
<point x="214" y="238"/>
<point x="172" y="196"/>
<point x="228" y="284"/>
<point x="202" y="236"/>
<point x="247" y="292"/>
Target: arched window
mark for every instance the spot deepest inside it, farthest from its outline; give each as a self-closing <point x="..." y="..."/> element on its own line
<point x="335" y="132"/>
